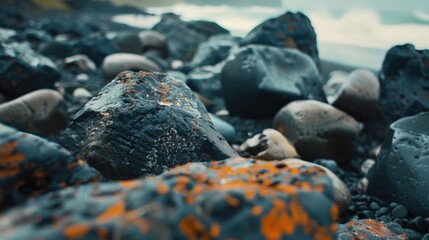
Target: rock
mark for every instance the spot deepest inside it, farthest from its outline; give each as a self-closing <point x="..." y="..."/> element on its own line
<point x="426" y="236"/>
<point x="82" y="62"/>
<point x="31" y="166"/>
<point x="183" y="37"/>
<point x="214" y="50"/>
<point x="366" y="166"/>
<point x="56" y="50"/>
<point x="370" y="229"/>
<point x="269" y="145"/>
<point x="342" y="194"/>
<point x="81" y="93"/>
<point x="400" y="212"/>
<point x="412" y="234"/>
<point x="292" y="30"/>
<point x="207" y="28"/>
<point x="417" y="224"/>
<point x="36" y="38"/>
<point x="143" y="124"/>
<point x="22" y="70"/>
<point x="82" y="78"/>
<point x="42" y="112"/>
<point x="400" y="173"/>
<point x="206" y="81"/>
<point x="128" y="42"/>
<point x="268" y="78"/>
<point x="362" y="186"/>
<point x="235" y="198"/>
<point x="357" y="94"/>
<point x="119" y="62"/>
<point x="404" y="82"/>
<point x="224" y="128"/>
<point x="318" y="130"/>
<point x="153" y="41"/>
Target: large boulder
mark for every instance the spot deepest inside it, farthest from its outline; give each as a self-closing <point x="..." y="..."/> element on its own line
<point x="143" y="124"/>
<point x="31" y="166"/>
<point x="22" y="70"/>
<point x="42" y="112"/>
<point x="400" y="173"/>
<point x="230" y="199"/>
<point x="370" y="229"/>
<point x="318" y="130"/>
<point x="404" y="80"/>
<point x="293" y="30"/>
<point x="259" y="80"/>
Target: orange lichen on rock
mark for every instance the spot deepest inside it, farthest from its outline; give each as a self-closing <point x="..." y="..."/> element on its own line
<point x="8" y="154"/>
<point x="368" y="228"/>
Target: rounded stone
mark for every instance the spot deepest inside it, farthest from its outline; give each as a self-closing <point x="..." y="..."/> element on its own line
<point x="269" y="145"/>
<point x="370" y="229"/>
<point x="153" y="41"/>
<point x="119" y="62"/>
<point x="42" y="112"/>
<point x="318" y="130"/>
<point x="267" y="78"/>
<point x="357" y="94"/>
<point x="128" y="42"/>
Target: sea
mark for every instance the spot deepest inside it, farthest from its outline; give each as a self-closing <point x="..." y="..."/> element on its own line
<point x="357" y="33"/>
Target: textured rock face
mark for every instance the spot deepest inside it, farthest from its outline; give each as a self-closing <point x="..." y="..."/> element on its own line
<point x="42" y="112"/>
<point x="400" y="173"/>
<point x="214" y="50"/>
<point x="259" y="80"/>
<point x="235" y="198"/>
<point x="370" y="229"/>
<point x="293" y="30"/>
<point x="31" y="166"/>
<point x="22" y="70"/>
<point x="356" y="93"/>
<point x="142" y="124"/>
<point x="404" y="80"/>
<point x="318" y="130"/>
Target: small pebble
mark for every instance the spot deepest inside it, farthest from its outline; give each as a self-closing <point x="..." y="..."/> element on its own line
<point x="417" y="224"/>
<point x="374" y="206"/>
<point x="81" y="93"/>
<point x="400" y="212"/>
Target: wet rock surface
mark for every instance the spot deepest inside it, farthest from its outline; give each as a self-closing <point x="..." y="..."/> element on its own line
<point x="400" y="172"/>
<point x="268" y="78"/>
<point x="31" y="166"/>
<point x="292" y="30"/>
<point x="242" y="198"/>
<point x="173" y="127"/>
<point x="22" y="70"/>
<point x="318" y="130"/>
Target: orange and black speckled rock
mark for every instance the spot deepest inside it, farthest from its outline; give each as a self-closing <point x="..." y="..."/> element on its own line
<point x="369" y="229"/>
<point x="234" y="198"/>
<point x="31" y="166"/>
<point x="142" y="124"/>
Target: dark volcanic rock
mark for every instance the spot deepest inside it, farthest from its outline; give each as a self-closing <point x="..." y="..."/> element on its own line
<point x="400" y="173"/>
<point x="356" y="93"/>
<point x="259" y="80"/>
<point x="230" y="199"/>
<point x="96" y="46"/>
<point x="183" y="37"/>
<point x="128" y="42"/>
<point x="214" y="50"/>
<point x="293" y="30"/>
<point x="22" y="70"/>
<point x="31" y="166"/>
<point x="370" y="230"/>
<point x="318" y="130"/>
<point x="404" y="80"/>
<point x="142" y="124"/>
<point x="153" y="42"/>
